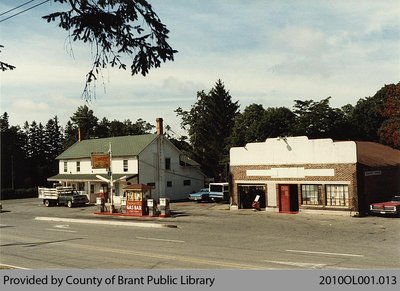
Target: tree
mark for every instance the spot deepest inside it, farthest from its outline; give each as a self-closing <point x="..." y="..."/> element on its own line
<point x="12" y="155"/>
<point x="389" y="132"/>
<point x="53" y="143"/>
<point x="5" y="66"/>
<point x="256" y="124"/>
<point x="71" y="135"/>
<point x="366" y="118"/>
<point x="249" y="126"/>
<point x="116" y="27"/>
<point x="279" y="121"/>
<point x="106" y="128"/>
<point x="318" y="120"/>
<point x="84" y="120"/>
<point x="209" y="125"/>
<point x="376" y="118"/>
<point x="102" y="128"/>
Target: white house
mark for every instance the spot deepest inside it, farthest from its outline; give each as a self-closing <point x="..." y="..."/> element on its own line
<point x="146" y="159"/>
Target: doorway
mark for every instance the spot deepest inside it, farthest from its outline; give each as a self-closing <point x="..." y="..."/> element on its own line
<point x="247" y="194"/>
<point x="288" y="198"/>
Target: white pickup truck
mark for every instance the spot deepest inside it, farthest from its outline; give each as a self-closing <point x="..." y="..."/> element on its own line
<point x="61" y="196"/>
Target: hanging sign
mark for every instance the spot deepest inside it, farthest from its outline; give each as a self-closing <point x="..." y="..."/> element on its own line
<point x="100" y="161"/>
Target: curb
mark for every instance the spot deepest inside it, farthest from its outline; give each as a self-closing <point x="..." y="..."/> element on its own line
<point x="108" y="222"/>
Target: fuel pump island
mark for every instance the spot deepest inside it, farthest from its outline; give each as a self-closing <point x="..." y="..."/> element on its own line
<point x="137" y="201"/>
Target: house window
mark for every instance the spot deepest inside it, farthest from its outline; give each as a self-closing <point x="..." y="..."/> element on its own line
<point x="187" y="182"/>
<point x="78" y="166"/>
<point x="310" y="194"/>
<point x="65" y="167"/>
<point x="168" y="163"/>
<point x="125" y="165"/>
<point x="337" y="195"/>
<point x="81" y="186"/>
<point x="169" y="183"/>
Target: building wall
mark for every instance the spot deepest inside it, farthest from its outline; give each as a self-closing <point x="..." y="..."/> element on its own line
<point x="151" y="169"/>
<point x="86" y="166"/>
<point x="168" y="182"/>
<point x="341" y="174"/>
<point x="296" y="161"/>
<point x="294" y="151"/>
<point x="377" y="184"/>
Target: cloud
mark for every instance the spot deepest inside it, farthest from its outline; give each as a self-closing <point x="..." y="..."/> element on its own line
<point x="300" y="40"/>
<point x="24" y="105"/>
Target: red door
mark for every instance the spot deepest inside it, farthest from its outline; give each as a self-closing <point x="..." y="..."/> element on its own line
<point x="284" y="198"/>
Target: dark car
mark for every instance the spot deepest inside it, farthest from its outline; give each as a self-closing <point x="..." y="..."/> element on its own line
<point x="391" y="207"/>
<point x="201" y="195"/>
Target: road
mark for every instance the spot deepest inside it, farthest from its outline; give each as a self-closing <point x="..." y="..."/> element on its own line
<point x="198" y="236"/>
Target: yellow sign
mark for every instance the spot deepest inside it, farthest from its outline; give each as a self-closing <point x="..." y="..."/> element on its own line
<point x="100" y="161"/>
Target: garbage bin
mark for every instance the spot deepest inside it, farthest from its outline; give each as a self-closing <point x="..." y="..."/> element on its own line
<point x="164" y="207"/>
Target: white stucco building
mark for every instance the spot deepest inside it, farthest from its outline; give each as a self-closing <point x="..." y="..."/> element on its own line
<point x="149" y="159"/>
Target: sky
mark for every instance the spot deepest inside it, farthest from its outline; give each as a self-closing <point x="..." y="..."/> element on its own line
<point x="265" y="52"/>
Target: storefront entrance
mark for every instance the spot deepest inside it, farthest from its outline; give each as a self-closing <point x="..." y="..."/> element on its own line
<point x="247" y="194"/>
<point x="288" y="198"/>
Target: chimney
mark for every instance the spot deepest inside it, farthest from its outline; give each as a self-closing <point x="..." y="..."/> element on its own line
<point x="79" y="134"/>
<point x="160" y="126"/>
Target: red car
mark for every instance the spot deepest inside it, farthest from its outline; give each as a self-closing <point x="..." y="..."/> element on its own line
<point x="389" y="207"/>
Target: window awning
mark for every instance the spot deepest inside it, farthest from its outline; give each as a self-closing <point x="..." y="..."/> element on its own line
<point x="89" y="177"/>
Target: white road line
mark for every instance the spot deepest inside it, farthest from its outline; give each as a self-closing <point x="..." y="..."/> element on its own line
<point x="62" y="226"/>
<point x="161" y="239"/>
<point x="324" y="253"/>
<point x="108" y="222"/>
<point x="298" y="264"/>
<point x="62" y="230"/>
<point x="14" y="267"/>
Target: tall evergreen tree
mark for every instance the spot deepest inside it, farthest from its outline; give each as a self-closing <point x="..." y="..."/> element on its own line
<point x="70" y="135"/>
<point x="54" y="141"/>
<point x="14" y="170"/>
<point x="209" y="125"/>
<point x="84" y="120"/>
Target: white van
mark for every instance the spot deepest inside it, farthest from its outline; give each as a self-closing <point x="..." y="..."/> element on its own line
<point x="219" y="191"/>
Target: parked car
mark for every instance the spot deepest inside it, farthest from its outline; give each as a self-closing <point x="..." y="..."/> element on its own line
<point x="389" y="207"/>
<point x="201" y="195"/>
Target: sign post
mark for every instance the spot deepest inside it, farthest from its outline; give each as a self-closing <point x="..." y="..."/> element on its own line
<point x="104" y="161"/>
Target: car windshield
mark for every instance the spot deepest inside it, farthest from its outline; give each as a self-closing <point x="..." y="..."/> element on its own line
<point x="396" y="198"/>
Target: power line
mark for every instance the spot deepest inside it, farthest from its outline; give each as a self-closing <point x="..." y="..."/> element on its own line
<point x="1" y="14"/>
<point x="24" y="10"/>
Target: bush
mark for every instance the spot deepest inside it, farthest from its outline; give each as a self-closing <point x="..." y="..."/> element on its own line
<point x="18" y="193"/>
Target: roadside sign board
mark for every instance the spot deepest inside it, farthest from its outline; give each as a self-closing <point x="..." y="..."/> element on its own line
<point x="100" y="161"/>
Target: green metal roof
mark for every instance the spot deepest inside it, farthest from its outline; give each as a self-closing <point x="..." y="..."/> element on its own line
<point x="131" y="145"/>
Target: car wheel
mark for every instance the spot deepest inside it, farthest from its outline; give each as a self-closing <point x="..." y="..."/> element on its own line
<point x="47" y="203"/>
<point x="69" y="204"/>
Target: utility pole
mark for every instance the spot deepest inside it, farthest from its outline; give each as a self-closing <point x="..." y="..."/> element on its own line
<point x="111" y="180"/>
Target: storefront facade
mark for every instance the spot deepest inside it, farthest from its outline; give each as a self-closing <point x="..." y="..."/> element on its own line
<point x="298" y="174"/>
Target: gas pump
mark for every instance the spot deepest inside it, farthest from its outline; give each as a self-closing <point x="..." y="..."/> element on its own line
<point x="136" y="199"/>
